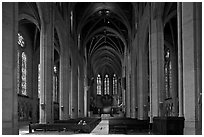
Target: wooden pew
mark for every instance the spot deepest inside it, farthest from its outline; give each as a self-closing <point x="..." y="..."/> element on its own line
<point x="124" y="124"/>
<point x="67" y="125"/>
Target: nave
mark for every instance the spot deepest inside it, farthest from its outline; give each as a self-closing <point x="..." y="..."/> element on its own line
<point x="139" y="62"/>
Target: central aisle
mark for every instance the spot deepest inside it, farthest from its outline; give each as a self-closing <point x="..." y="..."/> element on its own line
<point x="102" y="128"/>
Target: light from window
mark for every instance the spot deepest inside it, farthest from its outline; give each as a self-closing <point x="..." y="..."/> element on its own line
<point x="114" y="84"/>
<point x="167" y="72"/>
<point x="38" y="80"/>
<point x="24" y="72"/>
<point x="55" y="84"/>
<point x="55" y="69"/>
<point x="99" y="84"/>
<point x="21" y="41"/>
<point x="106" y="85"/>
<point x="18" y="72"/>
<point x="71" y="24"/>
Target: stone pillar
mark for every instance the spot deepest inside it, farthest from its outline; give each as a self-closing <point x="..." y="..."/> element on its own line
<point x="46" y="62"/>
<point x="9" y="69"/>
<point x="142" y="76"/>
<point x="95" y="86"/>
<point x="140" y="71"/>
<point x="64" y="84"/>
<point x="70" y="87"/>
<point x="123" y="90"/>
<point x="191" y="44"/>
<point x="157" y="49"/>
<point x="65" y="75"/>
<point x="118" y="90"/>
<point x="128" y="85"/>
<point x="80" y="92"/>
<point x="88" y="97"/>
<point x="35" y="104"/>
<point x="74" y="89"/>
<point x="85" y="92"/>
<point x="174" y="81"/>
<point x="133" y="85"/>
<point x="145" y="82"/>
<point x="180" y="59"/>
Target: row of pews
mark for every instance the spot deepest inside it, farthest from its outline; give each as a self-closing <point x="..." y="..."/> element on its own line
<point x="85" y="125"/>
<point x="124" y="125"/>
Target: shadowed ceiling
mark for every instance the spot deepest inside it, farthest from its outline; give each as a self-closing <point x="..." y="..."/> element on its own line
<point x="104" y="30"/>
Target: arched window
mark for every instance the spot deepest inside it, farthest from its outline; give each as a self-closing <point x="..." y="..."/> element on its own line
<point x="99" y="84"/>
<point x="106" y="85"/>
<point x="38" y="80"/>
<point x="167" y="72"/>
<point x="55" y="84"/>
<point x="23" y="74"/>
<point x="21" y="66"/>
<point x="114" y="84"/>
<point x="21" y="41"/>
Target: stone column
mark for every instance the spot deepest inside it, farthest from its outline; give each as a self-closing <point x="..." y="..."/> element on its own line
<point x="128" y="85"/>
<point x="157" y="49"/>
<point x="65" y="75"/>
<point x="88" y="96"/>
<point x="35" y="104"/>
<point x="142" y="76"/>
<point x="118" y="89"/>
<point x="80" y="92"/>
<point x="123" y="88"/>
<point x="95" y="86"/>
<point x="140" y="71"/>
<point x="145" y="81"/>
<point x="133" y="85"/>
<point x="191" y="44"/>
<point x="46" y="62"/>
<point x="9" y="69"/>
<point x="174" y="80"/>
<point x="180" y="59"/>
<point x="64" y="84"/>
<point x="74" y="89"/>
<point x="85" y="92"/>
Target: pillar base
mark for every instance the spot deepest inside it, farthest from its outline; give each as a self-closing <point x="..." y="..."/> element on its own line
<point x="7" y="130"/>
<point x="189" y="128"/>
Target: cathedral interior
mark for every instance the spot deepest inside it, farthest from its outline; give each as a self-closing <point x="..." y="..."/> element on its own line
<point x="72" y="65"/>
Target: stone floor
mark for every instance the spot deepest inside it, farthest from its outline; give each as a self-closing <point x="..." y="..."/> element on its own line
<point x="101" y="129"/>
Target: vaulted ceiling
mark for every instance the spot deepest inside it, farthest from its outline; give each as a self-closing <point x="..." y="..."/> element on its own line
<point x="105" y="30"/>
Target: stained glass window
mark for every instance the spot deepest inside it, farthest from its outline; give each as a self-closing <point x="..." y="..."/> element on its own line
<point x="21" y="41"/>
<point x="18" y="72"/>
<point x="114" y="84"/>
<point x="167" y="72"/>
<point x="99" y="84"/>
<point x="21" y="66"/>
<point x="106" y="85"/>
<point x="55" y="84"/>
<point x="38" y="80"/>
<point x="23" y="76"/>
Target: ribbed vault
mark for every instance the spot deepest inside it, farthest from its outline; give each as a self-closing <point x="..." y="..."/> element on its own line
<point x="104" y="30"/>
